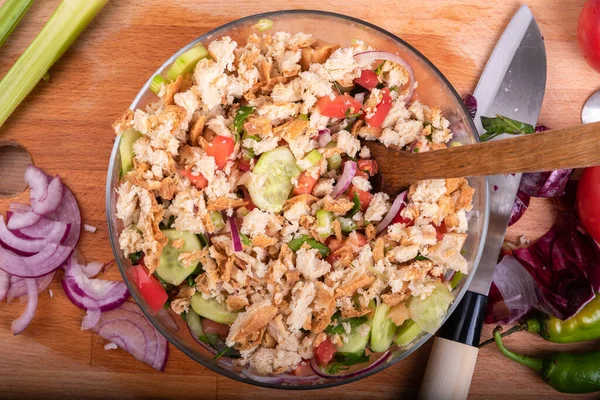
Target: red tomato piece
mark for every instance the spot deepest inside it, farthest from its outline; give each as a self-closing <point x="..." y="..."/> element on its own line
<point x="588" y="201"/>
<point x="303" y="369"/>
<point x="324" y="353"/>
<point x="367" y="79"/>
<point x="306" y="183"/>
<point x="368" y="166"/>
<point x="150" y="287"/>
<point x="211" y="327"/>
<point x="244" y="165"/>
<point x="250" y="206"/>
<point x="400" y="219"/>
<point x="220" y="148"/>
<point x="588" y="33"/>
<point x="333" y="243"/>
<point x="383" y="108"/>
<point x="363" y="196"/>
<point x="339" y="106"/>
<point x="197" y="180"/>
<point x="440" y="231"/>
<point x="359" y="240"/>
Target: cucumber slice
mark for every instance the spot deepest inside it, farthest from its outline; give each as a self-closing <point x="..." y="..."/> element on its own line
<point x="428" y="314"/>
<point x="128" y="138"/>
<point x="324" y="223"/>
<point x="356" y="342"/>
<point x="194" y="323"/>
<point x="348" y="224"/>
<point x="212" y="310"/>
<point x="170" y="269"/>
<point x="407" y="333"/>
<point x="186" y="62"/>
<point x="311" y="159"/>
<point x="383" y="329"/>
<point x="271" y="180"/>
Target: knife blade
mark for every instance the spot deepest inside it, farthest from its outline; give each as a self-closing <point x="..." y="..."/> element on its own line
<point x="512" y="84"/>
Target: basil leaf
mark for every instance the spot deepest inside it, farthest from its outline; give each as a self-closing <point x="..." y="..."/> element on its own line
<point x="344" y="360"/>
<point x="295" y="245"/>
<point x="501" y="124"/>
<point x="240" y="117"/>
<point x="339" y="328"/>
<point x="420" y="257"/>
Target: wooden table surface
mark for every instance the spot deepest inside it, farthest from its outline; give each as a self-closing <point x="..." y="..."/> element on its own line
<point x="65" y="124"/>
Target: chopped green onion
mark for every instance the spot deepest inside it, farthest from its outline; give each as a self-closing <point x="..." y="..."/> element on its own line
<point x="136" y="257"/>
<point x="253" y="137"/>
<point x="156" y="83"/>
<point x="456" y="278"/>
<point x="348" y="224"/>
<point x="11" y="13"/>
<point x="245" y="239"/>
<point x="217" y="220"/>
<point x="186" y="62"/>
<point x="324" y="223"/>
<point x="263" y="25"/>
<point x="67" y="22"/>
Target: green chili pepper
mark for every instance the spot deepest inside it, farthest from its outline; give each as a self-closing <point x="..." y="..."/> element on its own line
<point x="567" y="373"/>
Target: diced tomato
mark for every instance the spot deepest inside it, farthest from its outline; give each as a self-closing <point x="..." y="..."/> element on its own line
<point x="400" y="219"/>
<point x="339" y="106"/>
<point x="358" y="240"/>
<point x="368" y="166"/>
<point x="333" y="243"/>
<point x="364" y="197"/>
<point x="306" y="183"/>
<point x="303" y="369"/>
<point x="211" y="327"/>
<point x="324" y="353"/>
<point x="197" y="180"/>
<point x="440" y="231"/>
<point x="244" y="165"/>
<point x="150" y="288"/>
<point x="383" y="108"/>
<point x="220" y="148"/>
<point x="367" y="79"/>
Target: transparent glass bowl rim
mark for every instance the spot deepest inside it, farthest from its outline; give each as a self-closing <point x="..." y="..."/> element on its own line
<point x="116" y="248"/>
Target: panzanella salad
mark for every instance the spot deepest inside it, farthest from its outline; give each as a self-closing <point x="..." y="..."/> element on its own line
<point x="248" y="206"/>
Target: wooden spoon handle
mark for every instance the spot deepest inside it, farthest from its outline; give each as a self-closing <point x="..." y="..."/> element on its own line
<point x="573" y="147"/>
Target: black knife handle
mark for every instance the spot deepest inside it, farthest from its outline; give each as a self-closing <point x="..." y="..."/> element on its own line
<point x="464" y="325"/>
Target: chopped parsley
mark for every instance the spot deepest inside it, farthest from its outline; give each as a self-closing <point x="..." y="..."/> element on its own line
<point x="136" y="257"/>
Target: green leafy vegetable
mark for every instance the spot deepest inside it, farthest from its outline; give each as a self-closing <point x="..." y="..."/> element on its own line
<point x="156" y="83"/>
<point x="456" y="278"/>
<point x="170" y="221"/>
<point x="295" y="245"/>
<point x="501" y="124"/>
<point x="65" y="25"/>
<point x="349" y="115"/>
<point x="11" y="13"/>
<point x="355" y="208"/>
<point x="420" y="257"/>
<point x="222" y="353"/>
<point x="240" y="117"/>
<point x="337" y="327"/>
<point x="379" y="69"/>
<point x="344" y="360"/>
<point x="136" y="257"/>
<point x="245" y="239"/>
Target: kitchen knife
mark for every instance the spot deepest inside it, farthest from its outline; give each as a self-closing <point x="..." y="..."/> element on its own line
<point x="512" y="85"/>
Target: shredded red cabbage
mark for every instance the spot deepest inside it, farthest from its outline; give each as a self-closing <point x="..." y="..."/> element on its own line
<point x="545" y="184"/>
<point x="471" y="104"/>
<point x="519" y="207"/>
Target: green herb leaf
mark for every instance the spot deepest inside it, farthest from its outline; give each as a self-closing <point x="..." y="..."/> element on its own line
<point x="295" y="245"/>
<point x="350" y="115"/>
<point x="222" y="353"/>
<point x="303" y="117"/>
<point x="355" y="208"/>
<point x="379" y="69"/>
<point x="501" y="124"/>
<point x="240" y="117"/>
<point x="245" y="239"/>
<point x="337" y="327"/>
<point x="202" y="239"/>
<point x="168" y="225"/>
<point x="344" y="360"/>
<point x="136" y="257"/>
<point x="420" y="257"/>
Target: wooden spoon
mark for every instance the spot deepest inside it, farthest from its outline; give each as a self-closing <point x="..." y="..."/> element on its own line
<point x="574" y="147"/>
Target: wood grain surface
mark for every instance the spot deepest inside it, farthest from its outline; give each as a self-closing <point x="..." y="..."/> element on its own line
<point x="65" y="124"/>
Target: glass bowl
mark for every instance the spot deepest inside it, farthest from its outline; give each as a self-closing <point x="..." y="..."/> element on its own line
<point x="433" y="89"/>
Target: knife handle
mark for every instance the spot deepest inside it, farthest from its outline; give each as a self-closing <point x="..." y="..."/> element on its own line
<point x="454" y="353"/>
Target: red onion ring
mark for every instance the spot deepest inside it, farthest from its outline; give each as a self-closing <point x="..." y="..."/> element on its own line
<point x="28" y="247"/>
<point x="68" y="212"/>
<point x="273" y="380"/>
<point x="42" y="263"/>
<point x="41" y="229"/>
<point x="23" y="220"/>
<point x="91" y="319"/>
<point x="18" y="287"/>
<point x="384" y="55"/>
<point x="345" y="180"/>
<point x="319" y="372"/>
<point x="53" y="198"/>
<point x="92" y="269"/>
<point x="235" y="235"/>
<point x="38" y="183"/>
<point x="396" y="207"/>
<point x="4" y="284"/>
<point x="21" y="323"/>
<point x="324" y="137"/>
<point x="167" y="319"/>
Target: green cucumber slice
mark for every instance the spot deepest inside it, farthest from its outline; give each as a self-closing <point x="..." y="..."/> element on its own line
<point x="271" y="180"/>
<point x="212" y="310"/>
<point x="383" y="329"/>
<point x="356" y="342"/>
<point x="170" y="269"/>
<point x="407" y="333"/>
<point x="428" y="314"/>
<point x="324" y="223"/>
<point x="348" y="224"/>
<point x="128" y="138"/>
<point x="186" y="62"/>
<point x="194" y="323"/>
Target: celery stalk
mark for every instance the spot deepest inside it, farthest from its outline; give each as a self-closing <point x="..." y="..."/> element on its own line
<point x="11" y="13"/>
<point x="69" y="19"/>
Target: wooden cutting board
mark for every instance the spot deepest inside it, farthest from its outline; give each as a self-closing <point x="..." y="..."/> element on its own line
<point x="65" y="124"/>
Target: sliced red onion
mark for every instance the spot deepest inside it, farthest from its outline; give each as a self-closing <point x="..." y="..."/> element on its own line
<point x="53" y="198"/>
<point x="89" y="228"/>
<point x="42" y="229"/>
<point x="4" y="284"/>
<point x="201" y="343"/>
<point x="38" y="183"/>
<point x="18" y="287"/>
<point x="273" y="380"/>
<point x="23" y="220"/>
<point x="371" y="56"/>
<point x="345" y="180"/>
<point x="324" y="137"/>
<point x="92" y="269"/>
<point x="68" y="212"/>
<point x="18" y="207"/>
<point x="31" y="246"/>
<point x="49" y="259"/>
<point x="88" y="293"/>
<point x="21" y="323"/>
<point x="166" y="317"/>
<point x="235" y="235"/>
<point x="91" y="319"/>
<point x="360" y="97"/>
<point x="394" y="210"/>
<point x="319" y="371"/>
